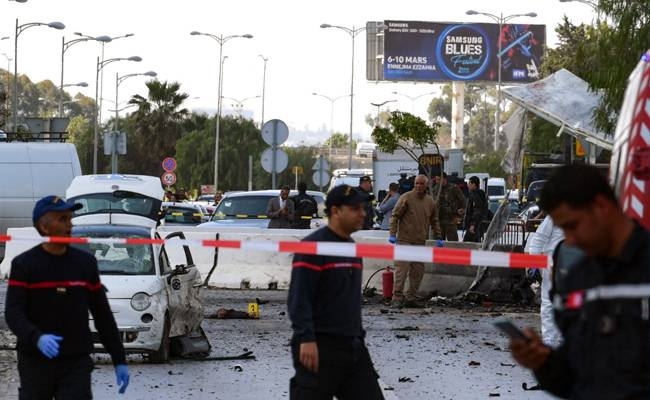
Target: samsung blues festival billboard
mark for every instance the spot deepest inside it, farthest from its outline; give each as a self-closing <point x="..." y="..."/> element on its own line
<point x="433" y="51"/>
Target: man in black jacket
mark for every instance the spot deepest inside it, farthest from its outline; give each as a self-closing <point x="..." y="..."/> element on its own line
<point x="328" y="348"/>
<point x="304" y="206"/>
<point x="476" y="211"/>
<point x="601" y="302"/>
<point x="365" y="188"/>
<point x="52" y="287"/>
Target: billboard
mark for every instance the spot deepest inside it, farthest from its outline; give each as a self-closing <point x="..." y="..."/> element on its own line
<point x="434" y="51"/>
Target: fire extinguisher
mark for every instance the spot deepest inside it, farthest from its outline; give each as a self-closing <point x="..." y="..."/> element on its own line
<point x="387" y="278"/>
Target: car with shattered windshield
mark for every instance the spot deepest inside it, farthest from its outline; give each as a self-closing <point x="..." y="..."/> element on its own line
<point x="155" y="300"/>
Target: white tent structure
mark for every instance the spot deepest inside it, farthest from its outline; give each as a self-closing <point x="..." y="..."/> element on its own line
<point x="566" y="101"/>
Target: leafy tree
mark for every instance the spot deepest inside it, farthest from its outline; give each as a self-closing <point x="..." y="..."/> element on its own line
<point x="81" y="134"/>
<point x="407" y="132"/>
<point x="239" y="139"/>
<point x="158" y="124"/>
<point x="614" y="52"/>
<point x="303" y="157"/>
<point x="338" y="140"/>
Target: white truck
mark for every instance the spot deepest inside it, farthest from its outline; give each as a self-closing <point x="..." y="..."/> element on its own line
<point x="31" y="171"/>
<point x="388" y="167"/>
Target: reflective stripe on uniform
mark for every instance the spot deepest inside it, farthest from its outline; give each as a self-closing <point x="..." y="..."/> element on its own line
<point x="629" y="291"/>
<point x="576" y="299"/>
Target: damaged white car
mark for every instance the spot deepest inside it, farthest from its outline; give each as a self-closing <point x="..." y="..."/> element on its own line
<point x="155" y="301"/>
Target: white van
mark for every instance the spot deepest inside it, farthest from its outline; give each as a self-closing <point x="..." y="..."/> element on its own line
<point x="496" y="188"/>
<point x="348" y="177"/>
<point x="31" y="171"/>
<point x="365" y="149"/>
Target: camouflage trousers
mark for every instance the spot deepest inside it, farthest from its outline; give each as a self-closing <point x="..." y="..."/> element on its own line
<point x="449" y="230"/>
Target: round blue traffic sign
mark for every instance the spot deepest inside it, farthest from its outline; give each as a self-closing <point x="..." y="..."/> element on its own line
<point x="169" y="164"/>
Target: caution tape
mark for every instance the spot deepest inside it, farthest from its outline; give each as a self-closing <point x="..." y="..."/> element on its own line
<point x="428" y="254"/>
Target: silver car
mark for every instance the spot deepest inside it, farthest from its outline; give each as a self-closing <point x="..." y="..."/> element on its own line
<point x="248" y="209"/>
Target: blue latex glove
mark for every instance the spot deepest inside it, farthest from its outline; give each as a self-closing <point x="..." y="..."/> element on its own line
<point x="49" y="345"/>
<point x="440" y="243"/>
<point x="392" y="239"/>
<point x="122" y="375"/>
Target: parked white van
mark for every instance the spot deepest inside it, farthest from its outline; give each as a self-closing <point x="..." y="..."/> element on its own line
<point x="31" y="171"/>
<point x="496" y="188"/>
<point x="365" y="149"/>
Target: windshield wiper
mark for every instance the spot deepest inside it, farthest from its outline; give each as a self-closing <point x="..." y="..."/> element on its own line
<point x="115" y="272"/>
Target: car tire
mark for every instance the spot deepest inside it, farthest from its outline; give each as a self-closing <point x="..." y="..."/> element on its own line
<point x="161" y="355"/>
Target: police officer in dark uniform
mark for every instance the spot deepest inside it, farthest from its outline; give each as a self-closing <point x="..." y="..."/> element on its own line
<point x="52" y="288"/>
<point x="365" y="188"/>
<point x="602" y="302"/>
<point x="476" y="211"/>
<point x="329" y="353"/>
<point x="304" y="206"/>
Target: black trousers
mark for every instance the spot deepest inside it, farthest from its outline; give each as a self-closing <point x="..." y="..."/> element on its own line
<point x="345" y="370"/>
<point x="60" y="378"/>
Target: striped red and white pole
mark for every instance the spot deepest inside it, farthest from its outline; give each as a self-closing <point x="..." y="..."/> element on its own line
<point x="428" y="254"/>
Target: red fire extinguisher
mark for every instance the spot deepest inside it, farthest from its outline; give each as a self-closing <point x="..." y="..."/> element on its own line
<point x="387" y="278"/>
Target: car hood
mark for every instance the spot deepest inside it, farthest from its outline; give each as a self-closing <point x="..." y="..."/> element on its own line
<point x="125" y="286"/>
<point x="244" y="223"/>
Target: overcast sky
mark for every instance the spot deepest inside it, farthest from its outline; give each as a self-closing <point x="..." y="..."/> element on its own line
<point x="302" y="57"/>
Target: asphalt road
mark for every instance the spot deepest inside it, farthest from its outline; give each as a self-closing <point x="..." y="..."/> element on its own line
<point x="441" y="352"/>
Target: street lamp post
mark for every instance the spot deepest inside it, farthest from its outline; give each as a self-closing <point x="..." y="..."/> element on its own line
<point x="19" y="30"/>
<point x="62" y="103"/>
<point x="100" y="66"/>
<point x="263" y="88"/>
<point x="331" y="100"/>
<point x="379" y="105"/>
<point x="64" y="47"/>
<point x="353" y="32"/>
<point x="413" y="98"/>
<point x="118" y="80"/>
<point x="221" y="39"/>
<point x="101" y="77"/>
<point x="499" y="19"/>
<point x="240" y="103"/>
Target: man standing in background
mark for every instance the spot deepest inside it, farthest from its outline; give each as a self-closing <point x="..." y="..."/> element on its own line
<point x="280" y="210"/>
<point x="476" y="211"/>
<point x="365" y="188"/>
<point x="451" y="206"/>
<point x="387" y="205"/>
<point x="413" y="215"/>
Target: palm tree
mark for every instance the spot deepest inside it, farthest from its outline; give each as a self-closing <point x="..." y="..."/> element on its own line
<point x="158" y="124"/>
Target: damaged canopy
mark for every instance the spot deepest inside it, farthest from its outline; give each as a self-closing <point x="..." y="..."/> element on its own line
<point x="565" y="100"/>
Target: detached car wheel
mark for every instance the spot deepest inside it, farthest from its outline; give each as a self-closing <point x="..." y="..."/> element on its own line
<point x="162" y="354"/>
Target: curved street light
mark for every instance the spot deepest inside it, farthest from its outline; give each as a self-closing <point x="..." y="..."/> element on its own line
<point x="331" y="100"/>
<point x="64" y="47"/>
<point x="19" y="30"/>
<point x="239" y="104"/>
<point x="499" y="19"/>
<point x="221" y="39"/>
<point x="80" y="84"/>
<point x="100" y="66"/>
<point x="101" y="77"/>
<point x="413" y="98"/>
<point x="118" y="80"/>
<point x="353" y="32"/>
<point x="379" y="105"/>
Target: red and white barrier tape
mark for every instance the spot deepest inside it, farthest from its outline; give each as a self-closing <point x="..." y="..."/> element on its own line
<point x="439" y="255"/>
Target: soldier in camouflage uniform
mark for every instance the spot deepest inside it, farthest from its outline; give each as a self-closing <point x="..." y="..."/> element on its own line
<point x="451" y="207"/>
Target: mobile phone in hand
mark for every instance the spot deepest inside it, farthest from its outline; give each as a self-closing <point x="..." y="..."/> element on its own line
<point x="507" y="327"/>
